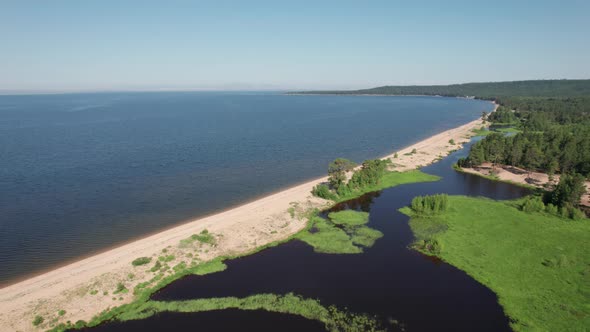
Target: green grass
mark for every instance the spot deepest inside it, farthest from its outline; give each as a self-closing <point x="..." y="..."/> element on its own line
<point x="333" y="318"/>
<point x="481" y="132"/>
<point x="212" y="266"/>
<point x="203" y="237"/>
<point x="343" y="233"/>
<point x="392" y="179"/>
<point x="328" y="238"/>
<point x="167" y="258"/>
<point x="538" y="264"/>
<point x="349" y="218"/>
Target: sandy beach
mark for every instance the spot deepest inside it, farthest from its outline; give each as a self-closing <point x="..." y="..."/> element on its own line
<point x="521" y="176"/>
<point x="85" y="288"/>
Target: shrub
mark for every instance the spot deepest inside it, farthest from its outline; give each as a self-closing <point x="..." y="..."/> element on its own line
<point x="577" y="214"/>
<point x="38" y="320"/>
<point x="430" y="204"/>
<point x="452" y="141"/>
<point x="80" y="324"/>
<point x="429" y="245"/>
<point x="322" y="191"/>
<point x="570" y="211"/>
<point x="344" y="191"/>
<point x="61" y="312"/>
<point x="395" y="155"/>
<point x="156" y="266"/>
<point x="414" y="151"/>
<point x="551" y="209"/>
<point x="120" y="289"/>
<point x="204" y="237"/>
<point x="141" y="261"/>
<point x="533" y="204"/>
<point x="166" y="259"/>
<point x="370" y="173"/>
<point x="337" y="171"/>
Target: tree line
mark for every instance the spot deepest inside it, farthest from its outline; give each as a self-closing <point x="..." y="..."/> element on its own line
<point x="488" y="90"/>
<point x="369" y="174"/>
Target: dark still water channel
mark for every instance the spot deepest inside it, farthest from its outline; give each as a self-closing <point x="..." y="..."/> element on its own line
<point x="80" y="173"/>
<point x="387" y="280"/>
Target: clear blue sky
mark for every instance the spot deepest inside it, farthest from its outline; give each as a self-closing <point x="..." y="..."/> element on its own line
<point x="111" y="45"/>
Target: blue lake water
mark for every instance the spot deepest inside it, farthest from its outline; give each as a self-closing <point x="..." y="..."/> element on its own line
<point x="82" y="172"/>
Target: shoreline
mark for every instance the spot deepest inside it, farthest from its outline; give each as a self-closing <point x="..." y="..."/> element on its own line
<point x="237" y="229"/>
<point x="521" y="177"/>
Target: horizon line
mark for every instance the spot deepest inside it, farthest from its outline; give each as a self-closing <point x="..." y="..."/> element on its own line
<point x="14" y="92"/>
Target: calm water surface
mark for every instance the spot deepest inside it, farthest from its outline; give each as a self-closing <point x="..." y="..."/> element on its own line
<point x="387" y="280"/>
<point x="82" y="172"/>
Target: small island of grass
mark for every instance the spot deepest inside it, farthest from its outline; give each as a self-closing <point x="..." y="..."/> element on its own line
<point x="344" y="233"/>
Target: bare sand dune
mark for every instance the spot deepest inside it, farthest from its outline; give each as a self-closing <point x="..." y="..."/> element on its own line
<point x="86" y="287"/>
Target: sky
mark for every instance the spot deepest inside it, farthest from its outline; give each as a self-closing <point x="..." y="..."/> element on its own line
<point x="286" y="45"/>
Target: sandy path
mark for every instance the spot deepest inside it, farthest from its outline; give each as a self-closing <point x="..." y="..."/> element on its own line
<point x="86" y="287"/>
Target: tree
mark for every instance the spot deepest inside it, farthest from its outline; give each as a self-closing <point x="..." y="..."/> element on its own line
<point x="532" y="158"/>
<point x="484" y="116"/>
<point x="569" y="190"/>
<point x="337" y="171"/>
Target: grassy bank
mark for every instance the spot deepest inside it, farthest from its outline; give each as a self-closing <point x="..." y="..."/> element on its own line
<point x="333" y="318"/>
<point x="391" y="179"/>
<point x="538" y="264"/>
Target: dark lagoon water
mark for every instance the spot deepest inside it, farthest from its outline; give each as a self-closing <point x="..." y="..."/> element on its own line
<point x="388" y="280"/>
<point x="83" y="172"/>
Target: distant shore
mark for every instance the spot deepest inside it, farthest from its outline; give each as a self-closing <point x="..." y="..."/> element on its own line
<point x="84" y="288"/>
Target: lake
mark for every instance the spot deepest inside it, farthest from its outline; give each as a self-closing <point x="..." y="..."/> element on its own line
<point x="80" y="173"/>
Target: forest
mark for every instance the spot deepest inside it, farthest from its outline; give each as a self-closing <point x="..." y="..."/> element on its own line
<point x="488" y="91"/>
<point x="555" y="136"/>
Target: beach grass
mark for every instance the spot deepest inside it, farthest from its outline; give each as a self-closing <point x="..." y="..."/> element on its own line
<point x="141" y="261"/>
<point x="538" y="264"/>
<point x="391" y="179"/>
